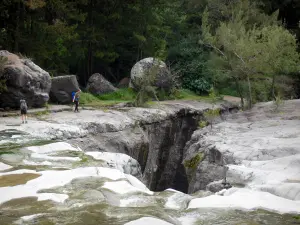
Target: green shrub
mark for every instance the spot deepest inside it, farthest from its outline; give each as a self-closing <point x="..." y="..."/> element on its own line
<point x="296" y="217"/>
<point x="190" y="59"/>
<point x="211" y="115"/>
<point x="229" y="91"/>
<point x="261" y="91"/>
<point x="278" y="102"/>
<point x="202" y="124"/>
<point x="198" y="85"/>
<point x="145" y="86"/>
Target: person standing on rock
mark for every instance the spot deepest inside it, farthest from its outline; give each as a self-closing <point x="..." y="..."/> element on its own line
<point x="23" y="107"/>
<point x="76" y="100"/>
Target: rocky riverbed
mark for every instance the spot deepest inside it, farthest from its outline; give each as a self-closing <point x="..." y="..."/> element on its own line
<point x="152" y="166"/>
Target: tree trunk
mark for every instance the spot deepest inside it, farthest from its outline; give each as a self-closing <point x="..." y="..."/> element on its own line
<point x="90" y="64"/>
<point x="250" y="92"/>
<point x="17" y="28"/>
<point x="240" y="92"/>
<point x="272" y="91"/>
<point x="90" y="49"/>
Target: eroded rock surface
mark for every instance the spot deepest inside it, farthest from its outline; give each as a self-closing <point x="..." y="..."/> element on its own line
<point x="59" y="183"/>
<point x="260" y="147"/>
<point x="155" y="137"/>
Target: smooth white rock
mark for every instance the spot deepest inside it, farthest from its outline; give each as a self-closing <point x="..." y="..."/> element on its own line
<point x="241" y="198"/>
<point x="4" y="166"/>
<point x="148" y="221"/>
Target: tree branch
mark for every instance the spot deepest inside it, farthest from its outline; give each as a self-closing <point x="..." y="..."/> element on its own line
<point x="217" y="49"/>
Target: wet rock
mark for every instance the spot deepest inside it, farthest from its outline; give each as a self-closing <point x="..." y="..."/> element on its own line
<point x="93" y="195"/>
<point x="217" y="186"/>
<point x="148" y="220"/>
<point x="155" y="137"/>
<point x="119" y="161"/>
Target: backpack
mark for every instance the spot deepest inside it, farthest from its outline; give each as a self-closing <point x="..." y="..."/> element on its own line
<point x="23" y="105"/>
<point x="73" y="94"/>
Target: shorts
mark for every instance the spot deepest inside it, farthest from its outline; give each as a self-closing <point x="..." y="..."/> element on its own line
<point x="23" y="111"/>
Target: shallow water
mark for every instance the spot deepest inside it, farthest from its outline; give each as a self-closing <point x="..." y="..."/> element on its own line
<point x="90" y="203"/>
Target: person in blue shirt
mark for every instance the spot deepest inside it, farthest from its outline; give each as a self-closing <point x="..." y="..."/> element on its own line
<point x="75" y="99"/>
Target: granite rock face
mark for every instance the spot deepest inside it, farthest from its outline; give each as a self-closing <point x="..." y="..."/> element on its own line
<point x="62" y="88"/>
<point x="98" y="85"/>
<point x="24" y="80"/>
<point x="260" y="147"/>
<point x="151" y="67"/>
<point x="155" y="137"/>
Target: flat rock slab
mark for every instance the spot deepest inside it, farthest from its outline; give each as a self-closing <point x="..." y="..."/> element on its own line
<point x="63" y="124"/>
<point x="261" y="148"/>
<point x="51" y="109"/>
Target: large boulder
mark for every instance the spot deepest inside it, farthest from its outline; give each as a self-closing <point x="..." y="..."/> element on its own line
<point x="62" y="88"/>
<point x="98" y="85"/>
<point x="124" y="83"/>
<point x="24" y="80"/>
<point x="151" y="67"/>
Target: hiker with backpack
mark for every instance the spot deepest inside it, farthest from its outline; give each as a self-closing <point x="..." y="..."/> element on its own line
<point x="23" y="108"/>
<point x="75" y="99"/>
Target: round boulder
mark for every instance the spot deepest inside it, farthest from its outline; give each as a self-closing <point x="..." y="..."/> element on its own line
<point x="24" y="80"/>
<point x="153" y="69"/>
<point x="98" y="85"/>
<point x="62" y="88"/>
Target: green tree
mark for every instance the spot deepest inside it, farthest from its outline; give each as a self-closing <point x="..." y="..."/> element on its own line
<point x="244" y="51"/>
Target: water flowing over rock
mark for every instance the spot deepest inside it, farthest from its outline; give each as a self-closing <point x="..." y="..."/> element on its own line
<point x="148" y="220"/>
<point x="98" y="85"/>
<point x="62" y="88"/>
<point x="90" y="172"/>
<point x="24" y="80"/>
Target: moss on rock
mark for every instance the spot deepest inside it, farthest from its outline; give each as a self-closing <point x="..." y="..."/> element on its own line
<point x="193" y="162"/>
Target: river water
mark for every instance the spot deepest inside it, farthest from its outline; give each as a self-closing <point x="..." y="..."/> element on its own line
<point x="56" y="183"/>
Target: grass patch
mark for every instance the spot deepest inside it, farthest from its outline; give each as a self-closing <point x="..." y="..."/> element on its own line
<point x="126" y="95"/>
<point x="184" y="94"/>
<point x="87" y="99"/>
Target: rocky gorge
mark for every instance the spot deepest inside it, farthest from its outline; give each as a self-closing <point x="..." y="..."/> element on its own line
<point x="152" y="166"/>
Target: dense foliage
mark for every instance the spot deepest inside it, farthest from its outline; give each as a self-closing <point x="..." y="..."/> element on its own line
<point x="240" y="47"/>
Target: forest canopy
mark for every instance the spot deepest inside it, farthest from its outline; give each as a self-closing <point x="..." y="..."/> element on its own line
<point x="241" y="47"/>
